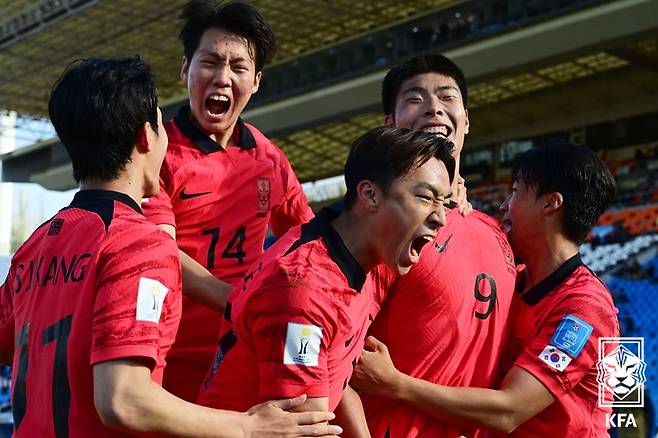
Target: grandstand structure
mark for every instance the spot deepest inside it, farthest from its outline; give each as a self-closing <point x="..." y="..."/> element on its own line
<point x="534" y="67"/>
<point x="585" y="70"/>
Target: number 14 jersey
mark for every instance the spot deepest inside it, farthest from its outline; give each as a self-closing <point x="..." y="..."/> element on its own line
<point x="445" y="321"/>
<point x="221" y="202"/>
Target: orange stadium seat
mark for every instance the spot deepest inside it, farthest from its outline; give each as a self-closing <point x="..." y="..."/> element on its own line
<point x="608" y="218"/>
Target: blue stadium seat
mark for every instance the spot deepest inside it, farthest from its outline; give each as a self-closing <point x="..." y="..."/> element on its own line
<point x="637" y="301"/>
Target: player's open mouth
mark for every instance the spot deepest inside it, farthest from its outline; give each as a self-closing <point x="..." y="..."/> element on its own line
<point x="417" y="246"/>
<point x="218" y="105"/>
<point x="441" y="130"/>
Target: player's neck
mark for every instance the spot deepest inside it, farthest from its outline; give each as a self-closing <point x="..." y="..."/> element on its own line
<point x="123" y="185"/>
<point x="454" y="187"/>
<point x="357" y="238"/>
<point x="224" y="138"/>
<point x="546" y="257"/>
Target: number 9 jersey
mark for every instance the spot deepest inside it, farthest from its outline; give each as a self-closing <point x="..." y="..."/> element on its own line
<point x="445" y="321"/>
<point x="97" y="282"/>
<point x="221" y="201"/>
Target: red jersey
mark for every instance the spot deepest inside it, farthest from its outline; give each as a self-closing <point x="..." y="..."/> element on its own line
<point x="221" y="202"/>
<point x="445" y="321"/>
<point x="571" y="304"/>
<point x="297" y="323"/>
<point x="97" y="282"/>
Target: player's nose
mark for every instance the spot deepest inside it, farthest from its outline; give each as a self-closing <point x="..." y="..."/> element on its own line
<point x="437" y="218"/>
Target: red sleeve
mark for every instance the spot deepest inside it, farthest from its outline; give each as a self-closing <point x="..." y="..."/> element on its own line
<point x="158" y="209"/>
<point x="138" y="291"/>
<point x="380" y="280"/>
<point x="600" y="315"/>
<point x="292" y="332"/>
<point x="7" y="313"/>
<point x="293" y="208"/>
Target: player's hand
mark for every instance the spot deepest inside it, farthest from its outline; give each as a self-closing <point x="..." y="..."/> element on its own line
<point x="375" y="372"/>
<point x="272" y="419"/>
<point x="465" y="207"/>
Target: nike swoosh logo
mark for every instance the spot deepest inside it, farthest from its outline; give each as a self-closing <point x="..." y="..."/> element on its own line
<point x="443" y="246"/>
<point x="184" y="195"/>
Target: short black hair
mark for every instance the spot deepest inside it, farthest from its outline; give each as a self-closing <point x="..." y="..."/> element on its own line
<point x="575" y="171"/>
<point x="427" y="63"/>
<point x="385" y="153"/>
<point x="97" y="108"/>
<point x="237" y="18"/>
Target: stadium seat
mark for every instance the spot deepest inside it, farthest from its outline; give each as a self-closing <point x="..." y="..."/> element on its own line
<point x="637" y="301"/>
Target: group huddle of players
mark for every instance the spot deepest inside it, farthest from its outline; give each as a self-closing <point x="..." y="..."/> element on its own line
<point x="147" y="305"/>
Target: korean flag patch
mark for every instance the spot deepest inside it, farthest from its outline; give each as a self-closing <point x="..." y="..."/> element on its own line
<point x="554" y="358"/>
<point x="571" y="335"/>
<point x="302" y="344"/>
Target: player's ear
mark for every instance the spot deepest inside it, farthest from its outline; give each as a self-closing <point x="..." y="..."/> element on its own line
<point x="184" y="68"/>
<point x="368" y="194"/>
<point x="143" y="145"/>
<point x="256" y="82"/>
<point x="388" y="120"/>
<point x="552" y="202"/>
<point x="467" y="123"/>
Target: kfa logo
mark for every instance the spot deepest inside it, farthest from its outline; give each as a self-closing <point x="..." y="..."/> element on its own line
<point x="621" y="376"/>
<point x="263" y="189"/>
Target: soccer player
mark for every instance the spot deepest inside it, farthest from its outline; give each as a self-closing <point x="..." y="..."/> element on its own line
<point x="222" y="182"/>
<point x="560" y="310"/>
<point x="93" y="298"/>
<point x="299" y="318"/>
<point x="445" y="321"/>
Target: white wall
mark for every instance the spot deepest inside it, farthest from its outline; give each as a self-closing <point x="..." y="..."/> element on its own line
<point x="7" y="144"/>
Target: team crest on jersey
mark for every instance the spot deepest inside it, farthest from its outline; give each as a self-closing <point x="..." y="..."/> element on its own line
<point x="263" y="186"/>
<point x="302" y="344"/>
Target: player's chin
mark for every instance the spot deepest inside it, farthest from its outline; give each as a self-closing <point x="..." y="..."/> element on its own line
<point x="213" y="124"/>
<point x="403" y="270"/>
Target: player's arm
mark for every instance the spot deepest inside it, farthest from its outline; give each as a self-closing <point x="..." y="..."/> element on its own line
<point x="293" y="209"/>
<point x="294" y="316"/>
<point x="198" y="283"/>
<point x="520" y="398"/>
<point x="313" y="404"/>
<point x="350" y="415"/>
<point x="126" y="398"/>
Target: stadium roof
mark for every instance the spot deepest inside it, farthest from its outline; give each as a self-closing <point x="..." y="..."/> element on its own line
<point x="39" y="38"/>
<point x="563" y="68"/>
<point x="596" y="86"/>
